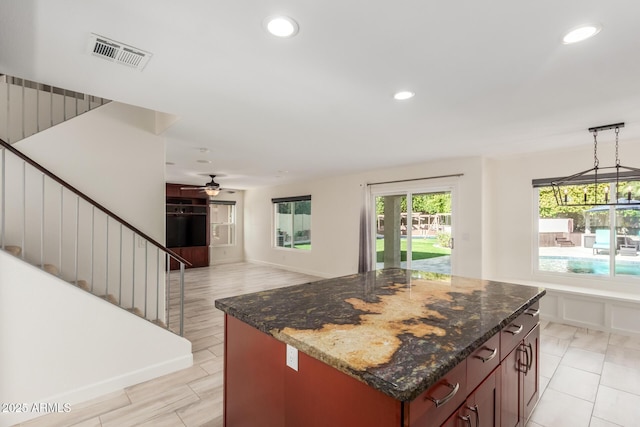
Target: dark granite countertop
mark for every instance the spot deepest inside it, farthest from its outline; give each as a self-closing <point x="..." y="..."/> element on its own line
<point x="397" y="330"/>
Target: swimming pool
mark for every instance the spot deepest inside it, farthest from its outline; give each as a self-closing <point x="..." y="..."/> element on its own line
<point x="560" y="264"/>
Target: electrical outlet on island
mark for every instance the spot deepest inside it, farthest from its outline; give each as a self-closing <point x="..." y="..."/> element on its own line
<point x="292" y="357"/>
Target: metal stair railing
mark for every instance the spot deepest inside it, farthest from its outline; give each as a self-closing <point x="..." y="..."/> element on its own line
<point x="56" y="224"/>
<point x="30" y="107"/>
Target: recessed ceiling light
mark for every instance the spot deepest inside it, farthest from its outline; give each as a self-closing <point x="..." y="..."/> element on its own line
<point x="403" y="95"/>
<point x="281" y="26"/>
<point x="581" y="33"/>
<point x="203" y="161"/>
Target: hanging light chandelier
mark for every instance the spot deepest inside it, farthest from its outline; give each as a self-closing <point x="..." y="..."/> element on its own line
<point x="596" y="181"/>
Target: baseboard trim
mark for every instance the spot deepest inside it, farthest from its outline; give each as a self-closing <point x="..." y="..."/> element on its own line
<point x="601" y="310"/>
<point x="226" y="261"/>
<point x="101" y="388"/>
<point x="289" y="268"/>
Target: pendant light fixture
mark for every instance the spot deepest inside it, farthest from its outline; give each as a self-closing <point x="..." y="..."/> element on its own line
<point x="596" y="181"/>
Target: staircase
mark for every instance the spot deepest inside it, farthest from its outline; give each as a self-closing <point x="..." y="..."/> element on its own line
<point x="27" y="107"/>
<point x="47" y="222"/>
<point x="564" y="242"/>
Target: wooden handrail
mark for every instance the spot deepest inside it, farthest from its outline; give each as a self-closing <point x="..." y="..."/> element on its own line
<point x="80" y="194"/>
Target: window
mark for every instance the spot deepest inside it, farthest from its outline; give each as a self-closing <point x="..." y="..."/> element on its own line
<point x="292" y="225"/>
<point x="426" y="243"/>
<point x="223" y="222"/>
<point x="598" y="240"/>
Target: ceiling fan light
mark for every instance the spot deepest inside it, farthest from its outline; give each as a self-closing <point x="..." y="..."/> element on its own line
<point x="212" y="191"/>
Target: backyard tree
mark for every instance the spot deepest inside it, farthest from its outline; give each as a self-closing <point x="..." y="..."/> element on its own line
<point x="550" y="208"/>
<point x="431" y="203"/>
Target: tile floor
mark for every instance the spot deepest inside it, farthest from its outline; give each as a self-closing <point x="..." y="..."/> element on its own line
<point x="588" y="378"/>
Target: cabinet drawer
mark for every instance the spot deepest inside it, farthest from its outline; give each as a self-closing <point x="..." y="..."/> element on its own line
<point x="514" y="332"/>
<point x="481" y="362"/>
<point x="435" y="405"/>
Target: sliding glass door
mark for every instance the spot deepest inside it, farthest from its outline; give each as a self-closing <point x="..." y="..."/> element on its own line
<point x="413" y="230"/>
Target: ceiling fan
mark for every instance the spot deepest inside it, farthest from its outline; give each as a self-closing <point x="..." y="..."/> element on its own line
<point x="212" y="188"/>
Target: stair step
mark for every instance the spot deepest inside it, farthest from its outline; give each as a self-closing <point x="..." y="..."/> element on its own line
<point x="110" y="298"/>
<point x="136" y="311"/>
<point x="51" y="269"/>
<point x="159" y="323"/>
<point x="564" y="242"/>
<point x="82" y="284"/>
<point x="13" y="250"/>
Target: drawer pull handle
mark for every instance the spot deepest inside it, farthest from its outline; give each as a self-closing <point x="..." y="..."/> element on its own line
<point x="466" y="419"/>
<point x="529" y="356"/>
<point x="475" y="410"/>
<point x="448" y="397"/>
<point x="493" y="351"/>
<point x="523" y="367"/>
<point x="531" y="312"/>
<point x="517" y="331"/>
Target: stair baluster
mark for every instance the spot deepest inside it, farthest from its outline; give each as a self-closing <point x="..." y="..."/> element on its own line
<point x="75" y="240"/>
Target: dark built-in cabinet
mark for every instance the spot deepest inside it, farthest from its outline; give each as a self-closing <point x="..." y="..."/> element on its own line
<point x="187" y="225"/>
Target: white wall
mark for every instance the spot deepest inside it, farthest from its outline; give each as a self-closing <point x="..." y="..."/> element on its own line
<point x="610" y="304"/>
<point x="493" y="230"/>
<point x="62" y="345"/>
<point x="489" y="231"/>
<point x="111" y="155"/>
<point x="513" y="216"/>
<point x="335" y="213"/>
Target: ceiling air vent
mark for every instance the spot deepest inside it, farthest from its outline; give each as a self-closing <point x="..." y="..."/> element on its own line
<point x="118" y="52"/>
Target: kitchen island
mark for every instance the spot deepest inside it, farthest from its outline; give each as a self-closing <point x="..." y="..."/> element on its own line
<point x="387" y="348"/>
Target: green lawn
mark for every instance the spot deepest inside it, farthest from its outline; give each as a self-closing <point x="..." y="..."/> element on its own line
<point x="420" y="249"/>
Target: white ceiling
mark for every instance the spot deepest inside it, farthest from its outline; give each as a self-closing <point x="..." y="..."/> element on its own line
<point x="491" y="77"/>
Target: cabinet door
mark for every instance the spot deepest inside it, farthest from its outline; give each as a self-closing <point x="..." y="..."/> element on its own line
<point x="460" y="418"/>
<point x="173" y="263"/>
<point x="436" y="404"/>
<point x="531" y="376"/>
<point x="254" y="372"/>
<point x="511" y="388"/>
<point x="484" y="402"/>
<point x="482" y="407"/>
<point x="198" y="256"/>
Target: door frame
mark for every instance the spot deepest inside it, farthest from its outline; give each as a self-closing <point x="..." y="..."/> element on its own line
<point x="408" y="188"/>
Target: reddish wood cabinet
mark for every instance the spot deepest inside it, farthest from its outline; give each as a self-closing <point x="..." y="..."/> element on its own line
<point x="198" y="256"/>
<point x="435" y="405"/>
<point x="261" y="391"/>
<point x="484" y="390"/>
<point x="531" y="381"/>
<point x="482" y="407"/>
<point x="520" y="369"/>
